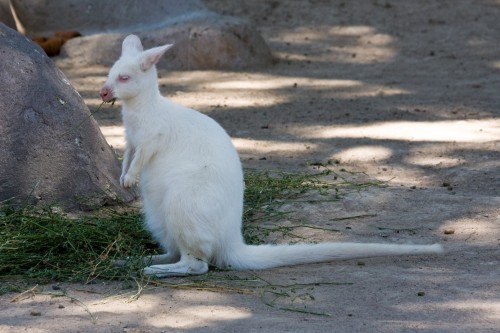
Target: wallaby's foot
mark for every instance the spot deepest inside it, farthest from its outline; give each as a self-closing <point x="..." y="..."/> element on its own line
<point x="182" y="268"/>
<point x="121" y="262"/>
<point x="156" y="259"/>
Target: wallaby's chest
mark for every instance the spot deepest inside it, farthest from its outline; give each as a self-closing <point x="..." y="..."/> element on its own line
<point x="141" y="129"/>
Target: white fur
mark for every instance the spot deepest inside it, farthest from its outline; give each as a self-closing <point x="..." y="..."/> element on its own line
<point x="191" y="181"/>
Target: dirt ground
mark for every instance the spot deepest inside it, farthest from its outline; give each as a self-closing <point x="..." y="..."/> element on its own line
<point x="404" y="91"/>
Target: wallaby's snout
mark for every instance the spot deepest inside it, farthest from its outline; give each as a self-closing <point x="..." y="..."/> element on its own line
<point x="106" y="94"/>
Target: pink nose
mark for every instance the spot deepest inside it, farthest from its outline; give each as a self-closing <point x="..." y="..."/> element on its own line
<point x="106" y="94"/>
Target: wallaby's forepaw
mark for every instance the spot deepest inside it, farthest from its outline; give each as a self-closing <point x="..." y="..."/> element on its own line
<point x="121" y="180"/>
<point x="128" y="181"/>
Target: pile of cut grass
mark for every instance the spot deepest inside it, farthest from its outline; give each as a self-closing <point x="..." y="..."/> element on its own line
<point x="44" y="245"/>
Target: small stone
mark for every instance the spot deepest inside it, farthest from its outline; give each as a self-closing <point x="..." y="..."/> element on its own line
<point x="421" y="293"/>
<point x="35" y="313"/>
<point x="449" y="231"/>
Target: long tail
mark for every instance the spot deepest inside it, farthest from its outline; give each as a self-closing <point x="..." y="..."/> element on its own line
<point x="267" y="256"/>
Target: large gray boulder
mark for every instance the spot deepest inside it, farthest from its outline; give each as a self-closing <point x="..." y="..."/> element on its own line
<point x="52" y="149"/>
<point x="203" y="39"/>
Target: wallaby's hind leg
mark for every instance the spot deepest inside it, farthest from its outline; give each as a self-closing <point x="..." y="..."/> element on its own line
<point x="188" y="265"/>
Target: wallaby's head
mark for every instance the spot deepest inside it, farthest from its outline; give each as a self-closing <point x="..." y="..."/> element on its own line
<point x="134" y="73"/>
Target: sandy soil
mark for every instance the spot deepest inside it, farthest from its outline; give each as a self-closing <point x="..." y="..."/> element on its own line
<point x="404" y="91"/>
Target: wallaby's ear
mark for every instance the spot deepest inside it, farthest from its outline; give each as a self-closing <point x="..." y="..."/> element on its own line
<point x="152" y="56"/>
<point x="131" y="45"/>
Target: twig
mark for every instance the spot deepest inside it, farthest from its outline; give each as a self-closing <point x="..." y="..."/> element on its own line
<point x="18" y="297"/>
<point x="62" y="294"/>
<point x="353" y="217"/>
<point x="76" y="300"/>
<point x="89" y="116"/>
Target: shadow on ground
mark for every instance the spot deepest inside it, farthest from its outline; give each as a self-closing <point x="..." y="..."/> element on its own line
<point x="404" y="91"/>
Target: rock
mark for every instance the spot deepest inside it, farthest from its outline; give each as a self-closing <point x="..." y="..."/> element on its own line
<point x="52" y="149"/>
<point x="211" y="42"/>
<point x="202" y="38"/>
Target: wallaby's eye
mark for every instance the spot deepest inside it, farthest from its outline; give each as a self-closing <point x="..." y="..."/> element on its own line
<point x="123" y="78"/>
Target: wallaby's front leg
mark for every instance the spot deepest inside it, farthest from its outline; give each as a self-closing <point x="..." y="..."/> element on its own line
<point x="127" y="158"/>
<point x="142" y="156"/>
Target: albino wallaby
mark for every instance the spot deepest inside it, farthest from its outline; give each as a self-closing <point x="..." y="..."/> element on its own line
<point x="191" y="181"/>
